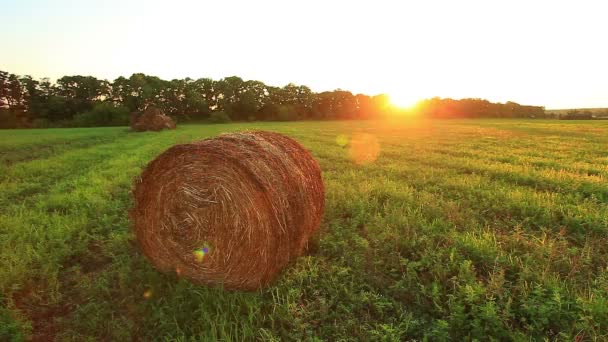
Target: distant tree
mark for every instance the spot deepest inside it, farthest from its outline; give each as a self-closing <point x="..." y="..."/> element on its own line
<point x="123" y="92"/>
<point x="240" y="99"/>
<point x="15" y="94"/>
<point x="35" y="99"/>
<point x="228" y="90"/>
<point x="578" y="115"/>
<point x="365" y="108"/>
<point x="207" y="88"/>
<point x="345" y="105"/>
<point x="4" y="92"/>
<point x="81" y="93"/>
<point x="296" y="99"/>
<point x="140" y="90"/>
<point x="324" y="106"/>
<point x="380" y="105"/>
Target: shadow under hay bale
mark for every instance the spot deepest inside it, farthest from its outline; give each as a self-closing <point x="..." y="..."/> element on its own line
<point x="231" y="211"/>
<point x="152" y="119"/>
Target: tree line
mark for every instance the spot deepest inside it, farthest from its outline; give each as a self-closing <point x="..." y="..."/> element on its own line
<point x="88" y="101"/>
<point x="477" y="108"/>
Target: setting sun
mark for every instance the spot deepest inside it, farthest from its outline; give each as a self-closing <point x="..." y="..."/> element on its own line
<point x="402" y="101"/>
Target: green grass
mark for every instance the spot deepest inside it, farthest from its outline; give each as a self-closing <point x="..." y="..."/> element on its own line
<point x="459" y="230"/>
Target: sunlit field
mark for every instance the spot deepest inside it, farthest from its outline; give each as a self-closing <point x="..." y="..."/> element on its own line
<point x="442" y="230"/>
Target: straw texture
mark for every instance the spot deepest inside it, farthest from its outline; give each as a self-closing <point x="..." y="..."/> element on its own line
<point x="232" y="210"/>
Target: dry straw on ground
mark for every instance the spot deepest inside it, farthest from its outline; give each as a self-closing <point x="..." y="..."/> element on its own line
<point x="152" y="119"/>
<point x="232" y="210"/>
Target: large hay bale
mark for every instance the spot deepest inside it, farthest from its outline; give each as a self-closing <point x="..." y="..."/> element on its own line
<point x="232" y="210"/>
<point x="152" y="119"/>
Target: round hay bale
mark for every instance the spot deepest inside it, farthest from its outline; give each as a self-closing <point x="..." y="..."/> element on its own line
<point x="232" y="211"/>
<point x="152" y="119"/>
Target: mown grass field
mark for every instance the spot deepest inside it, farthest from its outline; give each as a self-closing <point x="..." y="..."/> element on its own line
<point x="459" y="230"/>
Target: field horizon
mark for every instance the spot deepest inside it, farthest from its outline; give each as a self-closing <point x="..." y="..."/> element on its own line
<point x="487" y="229"/>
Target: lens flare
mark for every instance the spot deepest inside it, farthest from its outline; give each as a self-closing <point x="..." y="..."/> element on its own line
<point x="199" y="254"/>
<point x="342" y="140"/>
<point x="364" y="148"/>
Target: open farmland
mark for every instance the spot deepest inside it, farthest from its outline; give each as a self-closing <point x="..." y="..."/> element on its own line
<point x="455" y="230"/>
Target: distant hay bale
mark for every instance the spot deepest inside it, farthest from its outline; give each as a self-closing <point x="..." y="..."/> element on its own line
<point x="232" y="210"/>
<point x="152" y="119"/>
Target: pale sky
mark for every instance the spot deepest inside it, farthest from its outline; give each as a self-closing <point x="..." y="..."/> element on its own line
<point x="551" y="53"/>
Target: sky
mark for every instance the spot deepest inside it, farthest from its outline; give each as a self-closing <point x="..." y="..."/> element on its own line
<point x="534" y="52"/>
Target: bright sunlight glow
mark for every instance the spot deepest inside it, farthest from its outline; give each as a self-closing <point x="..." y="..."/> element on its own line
<point x="403" y="101"/>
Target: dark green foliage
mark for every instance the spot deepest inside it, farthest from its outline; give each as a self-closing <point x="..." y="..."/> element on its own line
<point x="219" y="117"/>
<point x="103" y="114"/>
<point x="578" y="115"/>
<point x="287" y="113"/>
<point x="8" y="119"/>
<point x="10" y="330"/>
